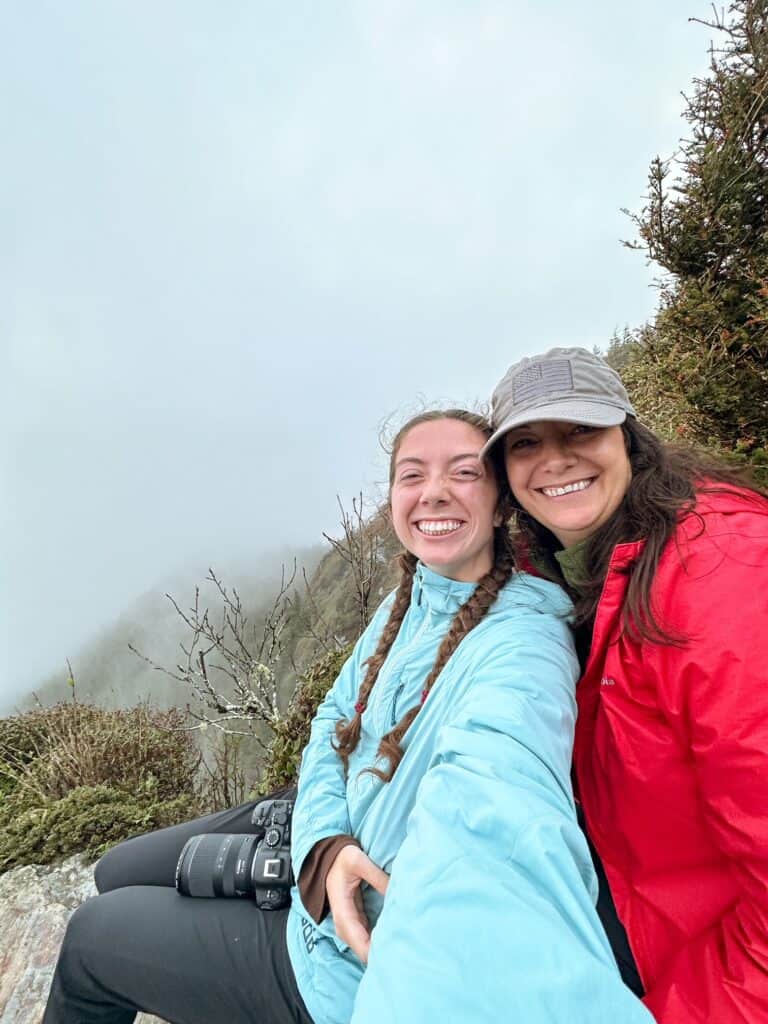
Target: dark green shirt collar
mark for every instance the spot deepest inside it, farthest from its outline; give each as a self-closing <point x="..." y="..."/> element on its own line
<point x="572" y="562"/>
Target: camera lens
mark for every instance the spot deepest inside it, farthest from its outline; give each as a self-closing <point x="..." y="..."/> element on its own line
<point x="216" y="865"/>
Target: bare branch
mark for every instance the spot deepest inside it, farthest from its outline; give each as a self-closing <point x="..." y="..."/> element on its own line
<point x="360" y="547"/>
<point x="230" y="666"/>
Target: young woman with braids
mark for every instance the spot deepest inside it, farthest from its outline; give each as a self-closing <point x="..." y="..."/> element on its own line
<point x="665" y="553"/>
<point x="441" y="871"/>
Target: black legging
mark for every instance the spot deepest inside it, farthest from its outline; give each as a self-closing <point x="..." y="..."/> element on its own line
<point x="139" y="945"/>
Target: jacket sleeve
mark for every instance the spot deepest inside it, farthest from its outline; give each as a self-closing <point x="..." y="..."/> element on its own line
<point x="715" y="691"/>
<point x="321" y="802"/>
<point x="489" y="915"/>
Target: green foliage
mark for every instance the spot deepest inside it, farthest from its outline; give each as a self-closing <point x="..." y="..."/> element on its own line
<point x="655" y="393"/>
<point x="75" y="777"/>
<point x="700" y="372"/>
<point x="88" y="819"/>
<point x="292" y="733"/>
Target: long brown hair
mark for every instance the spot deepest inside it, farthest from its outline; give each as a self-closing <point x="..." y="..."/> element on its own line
<point x="666" y="479"/>
<point x="468" y="616"/>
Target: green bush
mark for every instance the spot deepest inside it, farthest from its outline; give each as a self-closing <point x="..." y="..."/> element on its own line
<point x="75" y="777"/>
<point x="292" y="732"/>
<point x="87" y="820"/>
<point x="699" y="372"/>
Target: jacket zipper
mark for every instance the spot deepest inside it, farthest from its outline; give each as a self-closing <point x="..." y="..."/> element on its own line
<point x="395" y="699"/>
<point x="401" y="656"/>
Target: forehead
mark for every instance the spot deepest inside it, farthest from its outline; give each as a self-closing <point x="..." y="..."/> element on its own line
<point x="440" y="438"/>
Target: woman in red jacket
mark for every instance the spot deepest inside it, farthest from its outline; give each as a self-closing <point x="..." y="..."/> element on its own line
<point x="666" y="556"/>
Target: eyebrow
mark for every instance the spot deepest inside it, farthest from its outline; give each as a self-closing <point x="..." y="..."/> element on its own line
<point x="454" y="458"/>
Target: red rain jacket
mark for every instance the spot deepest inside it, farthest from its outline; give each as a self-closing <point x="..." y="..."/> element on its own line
<point x="671" y="764"/>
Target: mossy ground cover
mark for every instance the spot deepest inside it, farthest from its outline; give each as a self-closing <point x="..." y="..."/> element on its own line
<point x="79" y="778"/>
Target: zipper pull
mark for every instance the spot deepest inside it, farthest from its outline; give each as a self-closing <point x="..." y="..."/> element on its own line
<point x="397" y="695"/>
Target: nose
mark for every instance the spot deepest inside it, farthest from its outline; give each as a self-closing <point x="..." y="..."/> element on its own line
<point x="557" y="454"/>
<point x="434" y="490"/>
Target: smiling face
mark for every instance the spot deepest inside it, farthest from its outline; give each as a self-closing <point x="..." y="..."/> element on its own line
<point x="569" y="477"/>
<point x="444" y="498"/>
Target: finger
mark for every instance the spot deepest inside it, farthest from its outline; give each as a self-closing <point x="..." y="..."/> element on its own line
<point x="363" y="949"/>
<point x="373" y="875"/>
<point x="352" y="926"/>
<point x="356" y="937"/>
<point x="352" y="865"/>
<point x="347" y="910"/>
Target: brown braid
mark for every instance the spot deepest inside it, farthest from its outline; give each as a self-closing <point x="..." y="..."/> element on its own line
<point x="348" y="731"/>
<point x="471" y="613"/>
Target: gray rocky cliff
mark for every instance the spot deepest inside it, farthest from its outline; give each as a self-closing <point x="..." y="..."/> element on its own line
<point x="35" y="905"/>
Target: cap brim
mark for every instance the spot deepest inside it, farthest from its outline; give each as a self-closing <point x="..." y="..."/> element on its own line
<point x="592" y="414"/>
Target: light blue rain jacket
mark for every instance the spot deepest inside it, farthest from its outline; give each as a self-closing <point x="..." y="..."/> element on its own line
<point x="489" y="916"/>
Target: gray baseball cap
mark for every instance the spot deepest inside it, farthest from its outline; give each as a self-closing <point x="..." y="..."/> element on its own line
<point x="568" y="384"/>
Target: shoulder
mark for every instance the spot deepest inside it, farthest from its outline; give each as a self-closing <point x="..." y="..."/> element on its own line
<point x="717" y="557"/>
<point x="720" y="511"/>
<point x="369" y="638"/>
<point x="725" y="529"/>
<point x="528" y="625"/>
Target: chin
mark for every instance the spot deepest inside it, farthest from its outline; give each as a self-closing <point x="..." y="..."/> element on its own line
<point x="575" y="532"/>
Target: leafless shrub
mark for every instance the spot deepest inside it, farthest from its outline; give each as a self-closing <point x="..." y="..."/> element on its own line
<point x="361" y="548"/>
<point x="317" y="628"/>
<point x="229" y="665"/>
<point x="225" y="779"/>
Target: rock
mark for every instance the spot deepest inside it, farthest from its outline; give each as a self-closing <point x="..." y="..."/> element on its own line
<point x="35" y="905"/>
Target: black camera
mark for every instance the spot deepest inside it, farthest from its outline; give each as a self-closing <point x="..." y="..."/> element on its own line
<point x="257" y="864"/>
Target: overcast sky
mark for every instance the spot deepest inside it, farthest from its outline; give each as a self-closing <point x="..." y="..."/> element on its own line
<point x="235" y="236"/>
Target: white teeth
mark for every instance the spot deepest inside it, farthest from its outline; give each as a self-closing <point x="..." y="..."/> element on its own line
<point x="555" y="492"/>
<point x="438" y="526"/>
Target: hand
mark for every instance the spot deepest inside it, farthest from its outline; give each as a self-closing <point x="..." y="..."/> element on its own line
<point x="342" y="884"/>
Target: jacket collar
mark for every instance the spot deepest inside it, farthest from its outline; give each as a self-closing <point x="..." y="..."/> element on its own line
<point x="438" y="593"/>
<point x="624" y="554"/>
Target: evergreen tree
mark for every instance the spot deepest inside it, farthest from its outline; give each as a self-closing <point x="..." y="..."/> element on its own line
<point x="701" y="369"/>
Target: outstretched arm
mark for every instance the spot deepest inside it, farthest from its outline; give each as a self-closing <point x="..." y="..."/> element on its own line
<point x="489" y="914"/>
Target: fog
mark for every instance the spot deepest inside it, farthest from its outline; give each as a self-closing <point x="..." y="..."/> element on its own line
<point x="235" y="238"/>
<point x="136" y="656"/>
